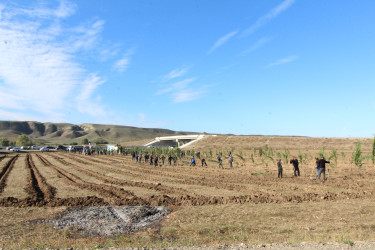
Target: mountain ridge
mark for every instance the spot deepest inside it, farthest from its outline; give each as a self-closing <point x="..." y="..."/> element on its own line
<point x="64" y="133"/>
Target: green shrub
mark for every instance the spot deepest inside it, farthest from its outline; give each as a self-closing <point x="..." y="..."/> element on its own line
<point x="357" y="157"/>
<point x="333" y="158"/>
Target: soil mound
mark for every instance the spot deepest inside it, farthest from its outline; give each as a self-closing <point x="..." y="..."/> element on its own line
<point x="108" y="220"/>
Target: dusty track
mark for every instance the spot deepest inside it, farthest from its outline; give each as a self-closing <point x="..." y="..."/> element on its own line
<point x="5" y="172"/>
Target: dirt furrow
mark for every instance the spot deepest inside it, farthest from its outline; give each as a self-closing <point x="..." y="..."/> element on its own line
<point x="266" y="183"/>
<point x="259" y="197"/>
<point x="313" y="191"/>
<point x="116" y="195"/>
<point x="37" y="187"/>
<point x="157" y="187"/>
<point x="97" y="175"/>
<point x="179" y="178"/>
<point x="220" y="181"/>
<point x="5" y="172"/>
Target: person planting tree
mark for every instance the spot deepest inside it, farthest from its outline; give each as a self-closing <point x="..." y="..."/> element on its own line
<point x="280" y="169"/>
<point x="322" y="168"/>
<point x="192" y="162"/>
<point x="294" y="161"/>
<point x="203" y="161"/>
<point x="230" y="160"/>
<point x="220" y="161"/>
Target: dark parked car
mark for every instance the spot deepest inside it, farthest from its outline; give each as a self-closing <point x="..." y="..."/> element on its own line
<point x="61" y="147"/>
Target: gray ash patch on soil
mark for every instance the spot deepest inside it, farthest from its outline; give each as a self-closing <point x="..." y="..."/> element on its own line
<point x="108" y="220"/>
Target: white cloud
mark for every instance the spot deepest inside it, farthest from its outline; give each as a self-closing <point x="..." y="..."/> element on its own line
<point x="88" y="87"/>
<point x="8" y="100"/>
<point x="39" y="68"/>
<point x="283" y="61"/>
<point x="108" y="53"/>
<point x="181" y="91"/>
<point x="286" y="4"/>
<point x="176" y="73"/>
<point x="255" y="46"/>
<point x="12" y="116"/>
<point x="1" y="10"/>
<point x="176" y="86"/>
<point x="123" y="63"/>
<point x="85" y="37"/>
<point x="65" y="9"/>
<point x="221" y="41"/>
<point x="187" y="95"/>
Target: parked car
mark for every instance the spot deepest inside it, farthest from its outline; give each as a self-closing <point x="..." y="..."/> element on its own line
<point x="15" y="149"/>
<point x="78" y="148"/>
<point x="44" y="149"/>
<point x="60" y="147"/>
<point x="10" y="147"/>
<point x="35" y="147"/>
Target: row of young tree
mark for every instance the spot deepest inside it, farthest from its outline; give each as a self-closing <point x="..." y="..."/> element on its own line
<point x="259" y="156"/>
<point x="266" y="154"/>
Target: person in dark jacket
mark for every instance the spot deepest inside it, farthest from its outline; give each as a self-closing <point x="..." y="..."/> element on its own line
<point x="280" y="169"/>
<point x="220" y="161"/>
<point x="203" y="161"/>
<point x="170" y="158"/>
<point x="156" y="159"/>
<point x="322" y="168"/>
<point x="294" y="161"/>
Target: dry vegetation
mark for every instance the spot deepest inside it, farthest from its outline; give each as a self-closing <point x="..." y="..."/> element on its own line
<point x="211" y="206"/>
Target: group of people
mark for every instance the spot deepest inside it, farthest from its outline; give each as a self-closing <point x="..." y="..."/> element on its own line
<point x="193" y="162"/>
<point x="154" y="160"/>
<point x="219" y="160"/>
<point x="320" y="167"/>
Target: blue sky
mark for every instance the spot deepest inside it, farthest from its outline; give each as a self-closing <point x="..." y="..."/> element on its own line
<point x="267" y="67"/>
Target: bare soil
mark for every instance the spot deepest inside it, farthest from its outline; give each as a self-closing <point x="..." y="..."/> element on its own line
<point x="200" y="199"/>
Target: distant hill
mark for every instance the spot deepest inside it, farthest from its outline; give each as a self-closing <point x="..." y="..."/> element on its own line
<point x="65" y="133"/>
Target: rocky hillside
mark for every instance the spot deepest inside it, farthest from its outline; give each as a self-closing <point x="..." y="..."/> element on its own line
<point x="66" y="133"/>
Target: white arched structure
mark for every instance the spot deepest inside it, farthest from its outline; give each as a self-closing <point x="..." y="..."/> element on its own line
<point x="180" y="141"/>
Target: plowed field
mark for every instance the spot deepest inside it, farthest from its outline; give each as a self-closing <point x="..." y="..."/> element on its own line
<point x="210" y="206"/>
<point x="117" y="180"/>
